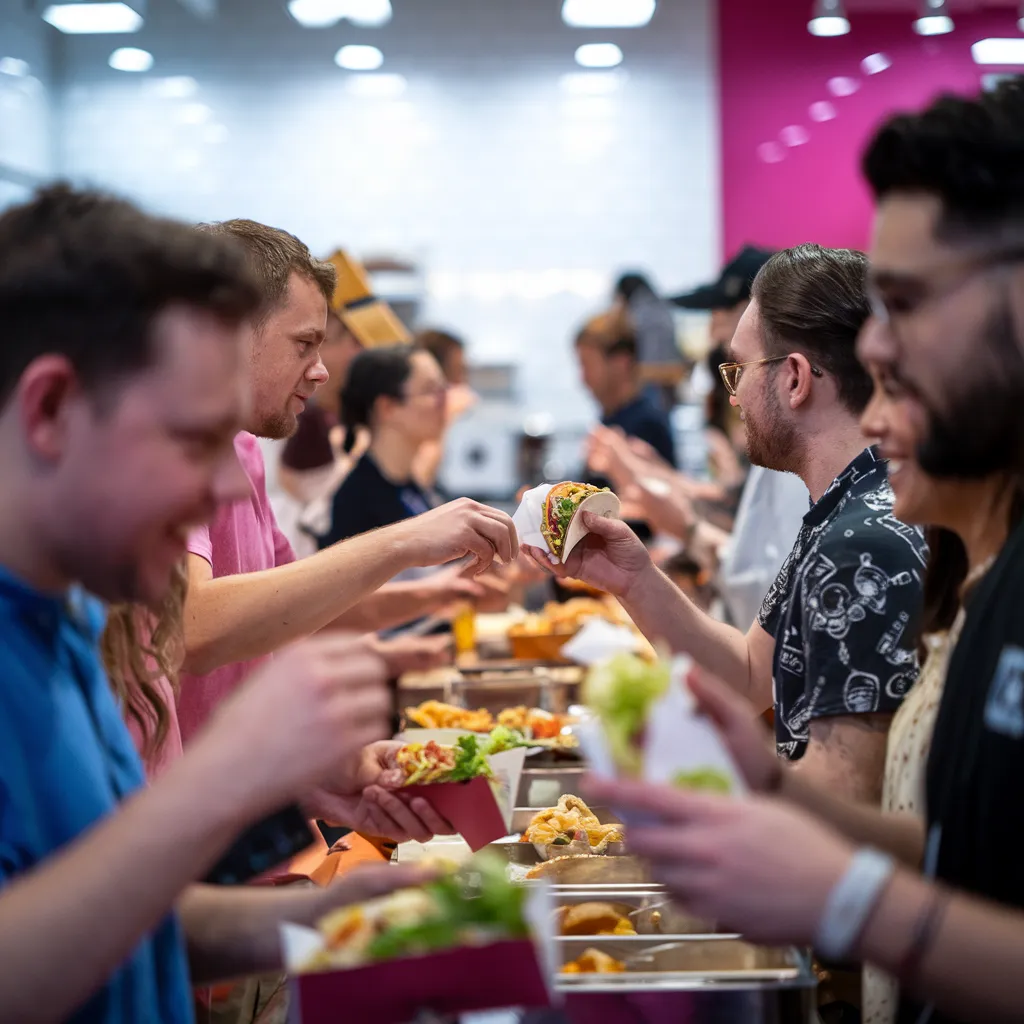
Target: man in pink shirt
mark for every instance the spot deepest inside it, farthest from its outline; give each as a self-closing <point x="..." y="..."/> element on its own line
<point x="248" y="596"/>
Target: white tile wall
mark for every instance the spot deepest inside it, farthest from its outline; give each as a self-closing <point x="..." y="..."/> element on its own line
<point x="26" y="128"/>
<point x="521" y="202"/>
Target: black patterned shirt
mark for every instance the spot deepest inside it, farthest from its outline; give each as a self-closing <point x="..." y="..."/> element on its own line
<point x="844" y="607"/>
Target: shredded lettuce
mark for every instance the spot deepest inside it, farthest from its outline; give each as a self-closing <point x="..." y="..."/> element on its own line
<point x="470" y="760"/>
<point x="502" y="737"/>
<point x="621" y="691"/>
<point x="708" y="779"/>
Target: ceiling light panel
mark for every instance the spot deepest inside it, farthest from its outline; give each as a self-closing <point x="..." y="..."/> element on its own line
<point x="999" y="51"/>
<point x="130" y="58"/>
<point x="607" y="13"/>
<point x="94" y="18"/>
<point x="359" y="58"/>
<point x="828" y="19"/>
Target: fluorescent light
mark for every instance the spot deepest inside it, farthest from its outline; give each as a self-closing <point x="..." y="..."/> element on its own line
<point x="998" y="51"/>
<point x="317" y="13"/>
<point x="130" y="58"/>
<point x="828" y="26"/>
<point x="379" y="87"/>
<point x="176" y="87"/>
<point x="598" y="55"/>
<point x="14" y="66"/>
<point x="88" y="17"/>
<point x="933" y="25"/>
<point x="368" y="13"/>
<point x="592" y="83"/>
<point x="607" y="13"/>
<point x="325" y="13"/>
<point x="359" y="58"/>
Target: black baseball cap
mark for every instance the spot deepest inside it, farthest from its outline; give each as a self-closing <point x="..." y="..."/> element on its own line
<point x="732" y="286"/>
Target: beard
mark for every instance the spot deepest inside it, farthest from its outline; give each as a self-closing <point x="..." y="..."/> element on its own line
<point x="278" y="427"/>
<point x="982" y="430"/>
<point x="772" y="442"/>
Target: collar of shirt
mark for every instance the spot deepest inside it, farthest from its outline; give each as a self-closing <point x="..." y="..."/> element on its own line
<point x="867" y="463"/>
<point x="48" y="612"/>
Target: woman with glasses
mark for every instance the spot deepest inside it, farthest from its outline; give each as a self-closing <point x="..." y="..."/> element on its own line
<point x="398" y="394"/>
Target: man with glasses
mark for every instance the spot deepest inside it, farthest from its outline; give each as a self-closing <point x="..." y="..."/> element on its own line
<point x="833" y="647"/>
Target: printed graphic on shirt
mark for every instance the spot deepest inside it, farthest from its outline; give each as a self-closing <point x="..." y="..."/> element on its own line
<point x="1004" y="709"/>
<point x="843" y="606"/>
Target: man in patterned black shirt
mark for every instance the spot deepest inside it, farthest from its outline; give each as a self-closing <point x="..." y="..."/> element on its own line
<point x="834" y="645"/>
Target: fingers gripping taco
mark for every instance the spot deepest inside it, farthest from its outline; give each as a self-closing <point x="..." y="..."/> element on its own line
<point x="562" y="525"/>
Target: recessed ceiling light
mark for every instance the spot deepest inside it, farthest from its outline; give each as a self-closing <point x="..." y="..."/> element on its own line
<point x="317" y="13"/>
<point x="93" y="17"/>
<point x="934" y="19"/>
<point x="875" y="63"/>
<point x="130" y="58"/>
<point x="598" y="55"/>
<point x="14" y="66"/>
<point x="368" y="13"/>
<point x="998" y="51"/>
<point x="607" y="13"/>
<point x="828" y="19"/>
<point x="592" y="83"/>
<point x="379" y="87"/>
<point x="359" y="58"/>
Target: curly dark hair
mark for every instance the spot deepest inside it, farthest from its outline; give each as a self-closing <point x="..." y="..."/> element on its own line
<point x="967" y="152"/>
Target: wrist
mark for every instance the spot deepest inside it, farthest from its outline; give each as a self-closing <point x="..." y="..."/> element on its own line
<point x="642" y="583"/>
<point x="851" y="903"/>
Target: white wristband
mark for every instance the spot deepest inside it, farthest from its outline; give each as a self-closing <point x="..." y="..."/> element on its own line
<point x="851" y="901"/>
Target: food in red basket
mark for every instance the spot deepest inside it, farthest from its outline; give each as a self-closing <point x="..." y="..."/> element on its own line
<point x="475" y="905"/>
<point x="425" y="763"/>
<point x="594" y="961"/>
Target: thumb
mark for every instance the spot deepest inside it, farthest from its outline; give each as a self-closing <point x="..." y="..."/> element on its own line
<point x="610" y="529"/>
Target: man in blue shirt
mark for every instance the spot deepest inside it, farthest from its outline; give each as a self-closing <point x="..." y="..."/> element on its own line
<point x="121" y="390"/>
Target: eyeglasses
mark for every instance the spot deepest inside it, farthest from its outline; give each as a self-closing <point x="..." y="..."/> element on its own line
<point x="731" y="372"/>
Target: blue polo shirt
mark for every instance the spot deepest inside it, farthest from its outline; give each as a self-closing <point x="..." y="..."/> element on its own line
<point x="66" y="762"/>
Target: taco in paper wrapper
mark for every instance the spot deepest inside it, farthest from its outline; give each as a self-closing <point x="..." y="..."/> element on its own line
<point x="562" y="525"/>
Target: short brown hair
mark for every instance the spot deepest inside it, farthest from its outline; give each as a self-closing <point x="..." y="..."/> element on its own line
<point x="274" y="255"/>
<point x="85" y="276"/>
<point x="814" y="299"/>
<point x="440" y="344"/>
<point x="610" y="332"/>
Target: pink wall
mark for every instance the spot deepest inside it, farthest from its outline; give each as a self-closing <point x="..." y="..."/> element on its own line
<point x="771" y="72"/>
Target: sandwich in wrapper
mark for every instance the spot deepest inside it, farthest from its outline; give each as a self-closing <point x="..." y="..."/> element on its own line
<point x="562" y="524"/>
<point x="431" y="762"/>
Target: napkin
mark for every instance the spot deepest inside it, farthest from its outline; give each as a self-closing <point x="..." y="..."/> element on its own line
<point x="528" y="517"/>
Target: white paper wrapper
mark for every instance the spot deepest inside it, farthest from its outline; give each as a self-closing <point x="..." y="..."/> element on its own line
<point x="677" y="740"/>
<point x="528" y="517"/>
<point x="598" y="640"/>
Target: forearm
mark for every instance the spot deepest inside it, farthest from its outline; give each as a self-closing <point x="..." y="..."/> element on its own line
<point x="236" y="618"/>
<point x="234" y="931"/>
<point x="902" y="835"/>
<point x="973" y="967"/>
<point x="392" y="605"/>
<point x="664" y="614"/>
<point x="88" y="907"/>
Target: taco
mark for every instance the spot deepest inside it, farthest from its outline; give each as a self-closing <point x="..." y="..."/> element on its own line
<point x="561" y="524"/>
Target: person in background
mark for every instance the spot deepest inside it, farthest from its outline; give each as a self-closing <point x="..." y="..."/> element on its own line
<point x="118" y="407"/>
<point x="833" y="648"/>
<point x="142" y="652"/>
<point x="948" y="289"/>
<point x="606" y="349"/>
<point x="450" y="353"/>
<point x="659" y="358"/>
<point x="692" y="579"/>
<point x="397" y="394"/>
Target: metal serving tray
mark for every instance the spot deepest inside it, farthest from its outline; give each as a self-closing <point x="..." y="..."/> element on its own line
<point x="555" y="782"/>
<point x="684" y="963"/>
<point x="648" y="908"/>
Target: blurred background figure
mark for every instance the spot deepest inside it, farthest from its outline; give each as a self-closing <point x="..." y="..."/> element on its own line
<point x="660" y="361"/>
<point x="397" y="395"/>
